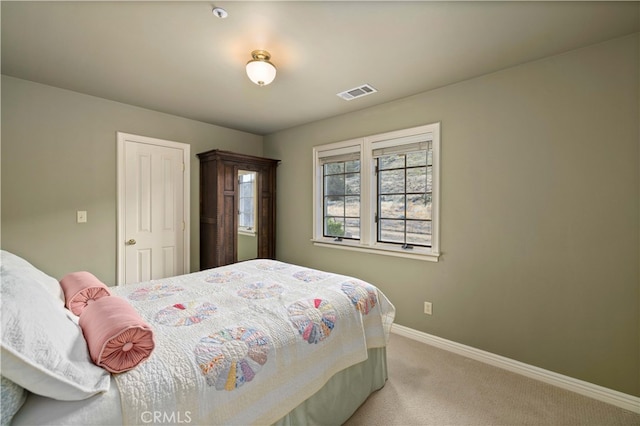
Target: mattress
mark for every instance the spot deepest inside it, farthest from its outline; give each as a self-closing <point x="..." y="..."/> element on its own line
<point x="333" y="404"/>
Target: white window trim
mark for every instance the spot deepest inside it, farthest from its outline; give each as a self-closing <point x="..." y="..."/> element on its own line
<point x="247" y="232"/>
<point x="243" y="230"/>
<point x="367" y="242"/>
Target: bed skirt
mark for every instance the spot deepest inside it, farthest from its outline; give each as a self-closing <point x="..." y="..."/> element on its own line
<point x="341" y="396"/>
<point x="333" y="404"/>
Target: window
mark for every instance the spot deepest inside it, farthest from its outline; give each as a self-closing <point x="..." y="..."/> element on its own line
<point x="246" y="203"/>
<point x="380" y="193"/>
<point x="404" y="194"/>
<point x="341" y="194"/>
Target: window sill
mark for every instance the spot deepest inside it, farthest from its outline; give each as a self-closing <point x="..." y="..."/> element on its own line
<point x="247" y="233"/>
<point x="415" y="253"/>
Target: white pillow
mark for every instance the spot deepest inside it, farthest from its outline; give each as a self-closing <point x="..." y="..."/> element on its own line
<point x="12" y="397"/>
<point x="29" y="271"/>
<point x="43" y="349"/>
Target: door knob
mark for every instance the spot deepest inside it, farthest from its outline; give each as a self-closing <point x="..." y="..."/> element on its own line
<point x="131" y="242"/>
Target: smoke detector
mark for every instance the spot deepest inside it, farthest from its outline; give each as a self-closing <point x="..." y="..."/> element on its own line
<point x="220" y="12"/>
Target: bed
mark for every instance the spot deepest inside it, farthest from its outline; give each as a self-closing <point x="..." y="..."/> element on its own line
<point x="257" y="342"/>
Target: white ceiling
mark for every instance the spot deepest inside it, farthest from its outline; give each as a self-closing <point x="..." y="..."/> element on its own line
<point x="178" y="58"/>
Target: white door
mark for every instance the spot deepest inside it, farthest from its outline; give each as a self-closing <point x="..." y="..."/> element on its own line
<point x="153" y="208"/>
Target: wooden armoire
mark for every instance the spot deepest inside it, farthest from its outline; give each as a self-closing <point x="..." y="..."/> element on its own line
<point x="219" y="195"/>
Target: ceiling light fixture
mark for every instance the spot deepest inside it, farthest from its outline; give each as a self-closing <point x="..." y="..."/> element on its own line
<point x="259" y="69"/>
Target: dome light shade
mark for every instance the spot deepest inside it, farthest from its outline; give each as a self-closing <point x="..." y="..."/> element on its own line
<point x="259" y="69"/>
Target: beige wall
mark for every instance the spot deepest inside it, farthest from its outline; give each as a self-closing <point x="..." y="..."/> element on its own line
<point x="247" y="247"/>
<point x="540" y="213"/>
<point x="540" y="202"/>
<point x="59" y="156"/>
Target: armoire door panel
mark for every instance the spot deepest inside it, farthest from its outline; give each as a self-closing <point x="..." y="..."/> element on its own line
<point x="227" y="245"/>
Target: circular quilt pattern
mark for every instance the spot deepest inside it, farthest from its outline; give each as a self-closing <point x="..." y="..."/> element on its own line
<point x="261" y="290"/>
<point x="185" y="314"/>
<point x="363" y="296"/>
<point x="224" y="277"/>
<point x="232" y="357"/>
<point x="156" y="291"/>
<point x="314" y="319"/>
<point x="271" y="265"/>
<point x="310" y="275"/>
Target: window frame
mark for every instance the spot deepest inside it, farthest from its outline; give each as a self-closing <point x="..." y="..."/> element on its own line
<point x="244" y="230"/>
<point x="345" y="195"/>
<point x="368" y="192"/>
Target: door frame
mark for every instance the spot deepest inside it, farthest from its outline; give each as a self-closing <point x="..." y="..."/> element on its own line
<point x="122" y="139"/>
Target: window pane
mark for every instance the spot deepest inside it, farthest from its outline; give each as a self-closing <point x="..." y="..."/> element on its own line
<point x="392" y="206"/>
<point x="334" y="226"/>
<point x="333" y="168"/>
<point x="417" y="179"/>
<point x="419" y="232"/>
<point x="334" y="206"/>
<point x="246" y="205"/>
<point x="334" y="185"/>
<point x="417" y="207"/>
<point x="391" y="161"/>
<point x="417" y="159"/>
<point x="352" y="183"/>
<point x="391" y="181"/>
<point x="352" y="207"/>
<point x="246" y="220"/>
<point x="429" y="179"/>
<point x="352" y="228"/>
<point x="391" y="231"/>
<point x="352" y="166"/>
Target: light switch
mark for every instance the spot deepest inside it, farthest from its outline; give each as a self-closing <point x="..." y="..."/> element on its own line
<point x="81" y="216"/>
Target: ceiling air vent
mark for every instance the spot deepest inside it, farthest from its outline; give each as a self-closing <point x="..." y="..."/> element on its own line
<point x="357" y="92"/>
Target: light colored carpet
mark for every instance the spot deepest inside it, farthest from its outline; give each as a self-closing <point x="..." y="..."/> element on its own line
<point x="430" y="386"/>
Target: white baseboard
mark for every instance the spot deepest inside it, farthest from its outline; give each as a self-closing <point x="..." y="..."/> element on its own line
<point x="610" y="396"/>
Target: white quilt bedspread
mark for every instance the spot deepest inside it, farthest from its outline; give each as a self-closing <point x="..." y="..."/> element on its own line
<point x="246" y="343"/>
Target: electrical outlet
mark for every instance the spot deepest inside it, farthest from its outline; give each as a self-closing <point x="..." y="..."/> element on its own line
<point x="427" y="308"/>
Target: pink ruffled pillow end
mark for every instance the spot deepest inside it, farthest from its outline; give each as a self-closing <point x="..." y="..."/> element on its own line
<point x="80" y="289"/>
<point x="118" y="338"/>
<point x="126" y="350"/>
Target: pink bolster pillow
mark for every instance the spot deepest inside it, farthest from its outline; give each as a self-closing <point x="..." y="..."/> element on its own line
<point x="117" y="337"/>
<point x="80" y="289"/>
